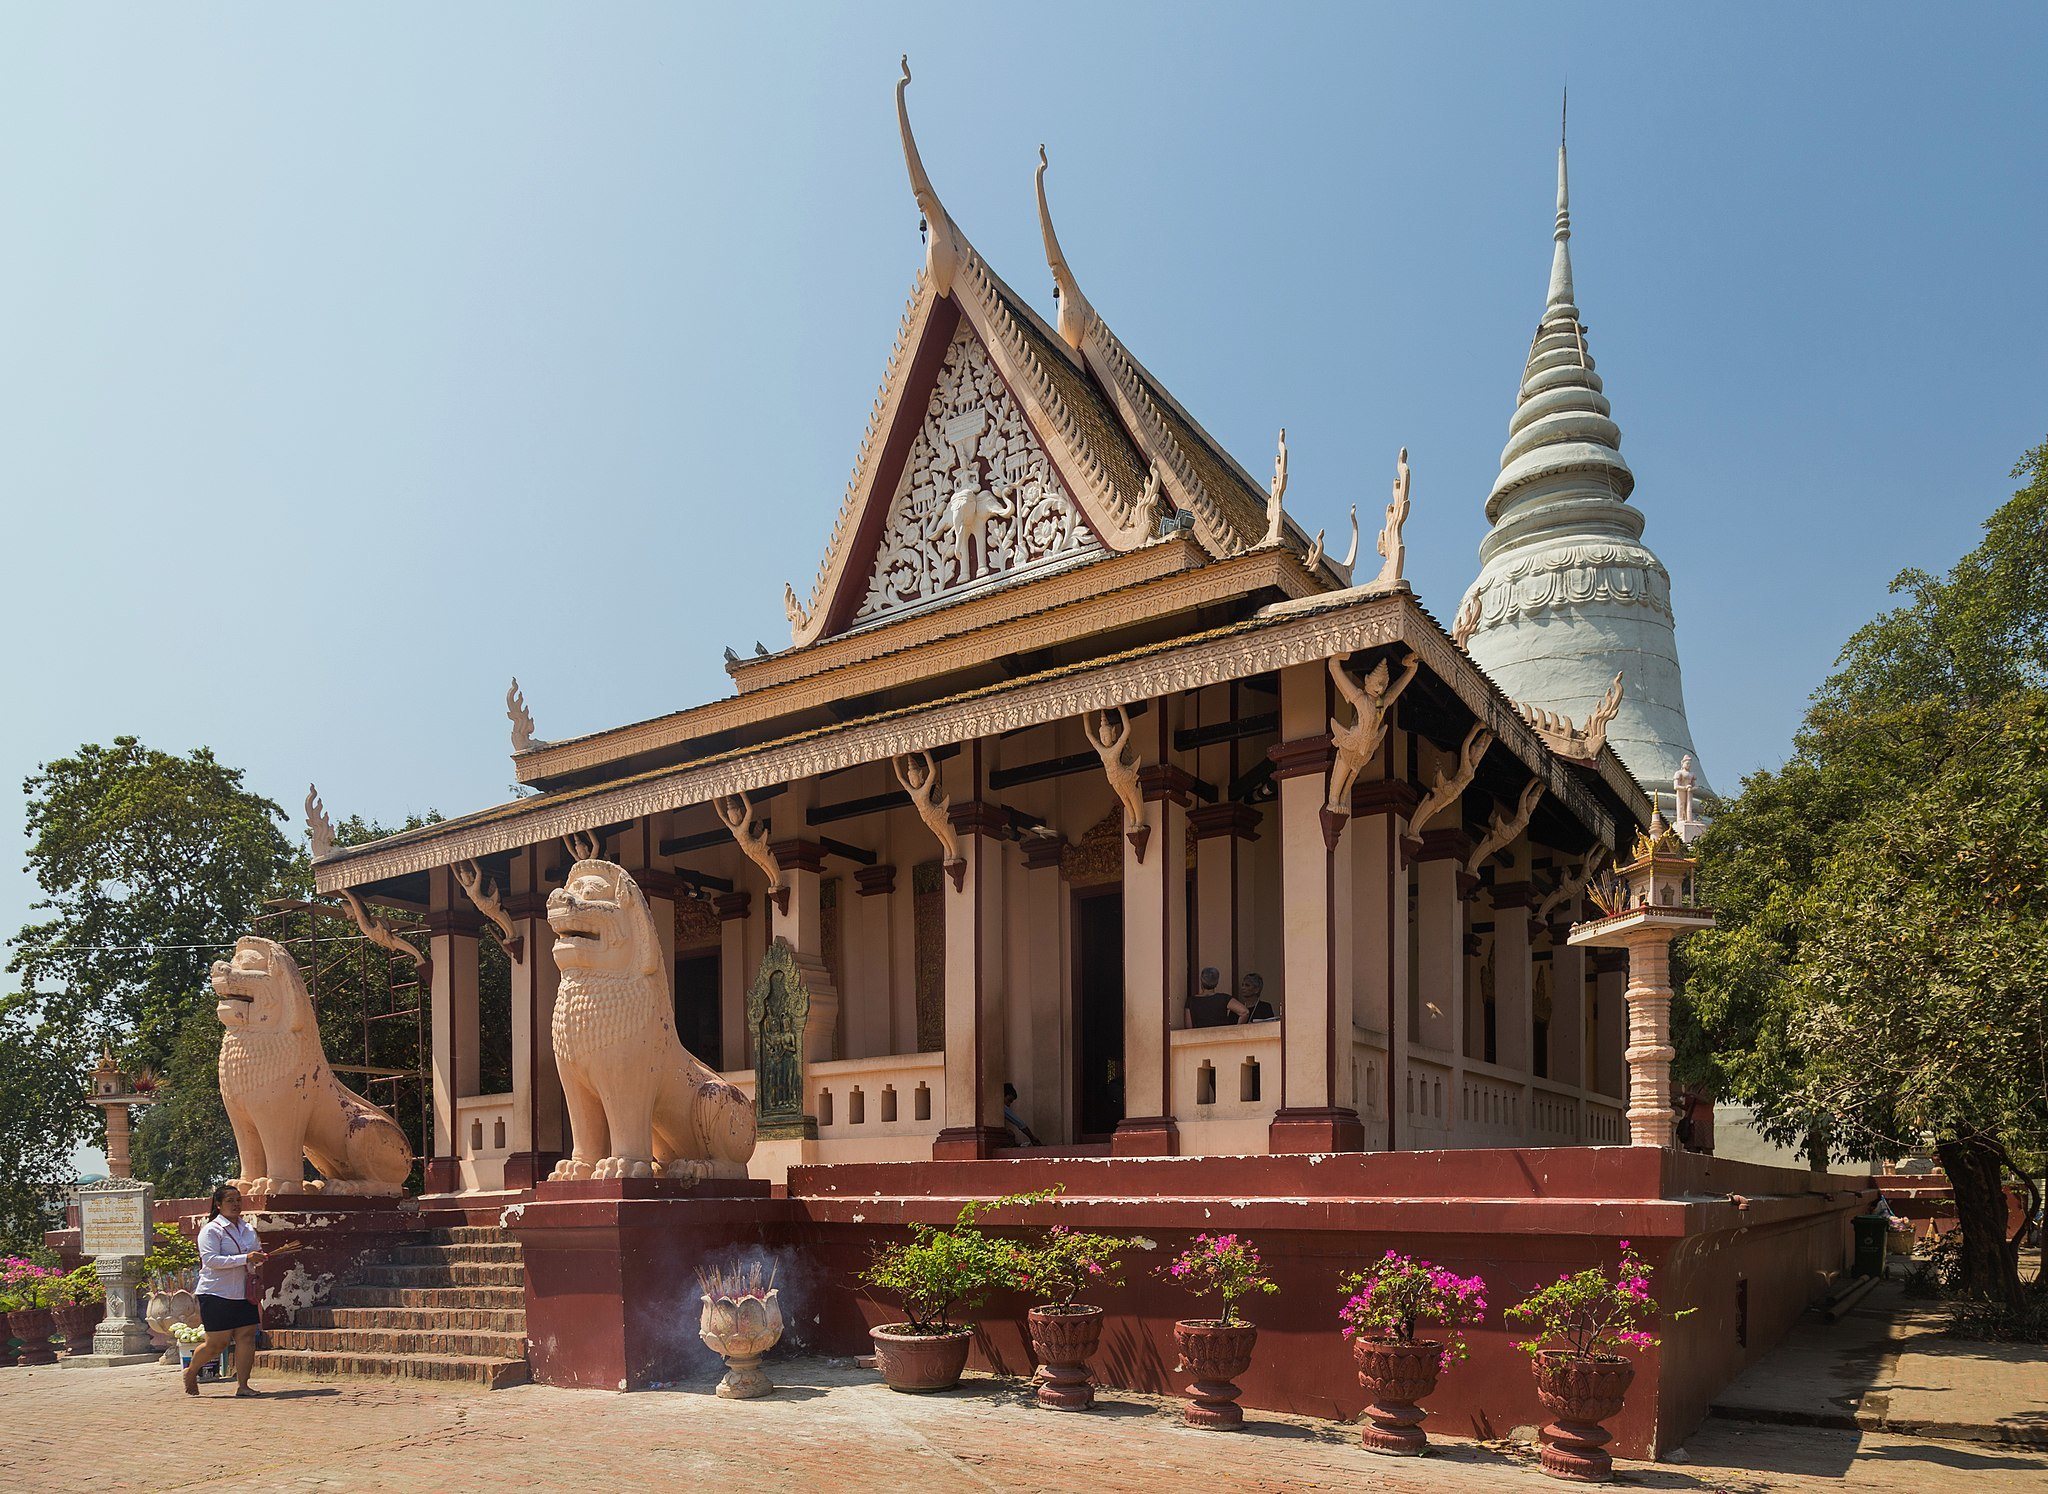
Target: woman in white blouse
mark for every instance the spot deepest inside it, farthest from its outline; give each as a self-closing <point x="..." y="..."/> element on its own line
<point x="227" y="1248"/>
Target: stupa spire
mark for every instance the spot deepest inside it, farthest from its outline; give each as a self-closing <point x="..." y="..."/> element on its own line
<point x="1568" y="596"/>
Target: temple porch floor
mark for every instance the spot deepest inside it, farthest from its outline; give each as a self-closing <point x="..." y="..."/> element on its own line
<point x="831" y="1427"/>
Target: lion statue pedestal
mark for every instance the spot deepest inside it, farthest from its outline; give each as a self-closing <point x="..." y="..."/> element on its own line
<point x="282" y="1099"/>
<point x="640" y="1106"/>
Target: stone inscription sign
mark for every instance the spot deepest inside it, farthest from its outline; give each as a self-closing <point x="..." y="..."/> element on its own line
<point x="114" y="1223"/>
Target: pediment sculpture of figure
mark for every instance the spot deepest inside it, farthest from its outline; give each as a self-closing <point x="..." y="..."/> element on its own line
<point x="778" y="1009"/>
<point x="283" y="1101"/>
<point x="640" y="1104"/>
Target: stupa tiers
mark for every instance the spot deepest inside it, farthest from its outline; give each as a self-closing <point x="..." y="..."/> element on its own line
<point x="1568" y="596"/>
<point x="1074" y="709"/>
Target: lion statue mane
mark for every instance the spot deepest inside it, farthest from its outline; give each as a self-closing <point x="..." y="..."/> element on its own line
<point x="282" y="1098"/>
<point x="640" y="1105"/>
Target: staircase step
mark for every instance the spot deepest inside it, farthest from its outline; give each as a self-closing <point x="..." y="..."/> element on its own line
<point x="389" y="1319"/>
<point x="498" y="1252"/>
<point x="401" y="1343"/>
<point x="478" y="1370"/>
<point x="470" y="1234"/>
<point x="432" y="1299"/>
<point x="447" y="1274"/>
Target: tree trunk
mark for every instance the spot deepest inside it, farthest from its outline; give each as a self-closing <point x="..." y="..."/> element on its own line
<point x="1989" y="1267"/>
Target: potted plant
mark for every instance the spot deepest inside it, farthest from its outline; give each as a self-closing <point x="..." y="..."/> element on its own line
<point x="26" y="1287"/>
<point x="1065" y="1332"/>
<point x="936" y="1274"/>
<point x="1384" y="1306"/>
<point x="1582" y="1322"/>
<point x="1216" y="1350"/>
<point x="78" y="1303"/>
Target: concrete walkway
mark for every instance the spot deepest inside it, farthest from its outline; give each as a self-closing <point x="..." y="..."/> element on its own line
<point x="832" y="1428"/>
<point x="1888" y="1367"/>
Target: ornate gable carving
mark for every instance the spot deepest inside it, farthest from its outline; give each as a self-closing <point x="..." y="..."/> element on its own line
<point x="979" y="504"/>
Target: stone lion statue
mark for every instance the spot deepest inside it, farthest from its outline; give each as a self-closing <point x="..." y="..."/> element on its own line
<point x="282" y="1099"/>
<point x="640" y="1106"/>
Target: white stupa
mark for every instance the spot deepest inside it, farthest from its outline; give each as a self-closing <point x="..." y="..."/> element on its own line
<point x="1568" y="595"/>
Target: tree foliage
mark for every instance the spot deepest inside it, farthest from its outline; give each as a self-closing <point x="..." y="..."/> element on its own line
<point x="43" y="1117"/>
<point x="1881" y="965"/>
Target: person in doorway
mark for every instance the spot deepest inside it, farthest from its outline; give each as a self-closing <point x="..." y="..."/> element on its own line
<point x="1020" y="1134"/>
<point x="227" y="1248"/>
<point x="1249" y="1004"/>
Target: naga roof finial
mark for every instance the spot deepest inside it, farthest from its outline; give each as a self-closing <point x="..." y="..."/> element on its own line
<point x="1076" y="316"/>
<point x="942" y="255"/>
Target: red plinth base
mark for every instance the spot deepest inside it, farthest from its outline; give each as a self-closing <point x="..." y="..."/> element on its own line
<point x="615" y="1189"/>
<point x="1145" y="1136"/>
<point x="1323" y="1130"/>
<point x="968" y="1143"/>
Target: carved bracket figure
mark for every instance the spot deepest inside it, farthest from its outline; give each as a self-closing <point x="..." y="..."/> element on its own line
<point x="319" y="829"/>
<point x="1447" y="788"/>
<point x="919" y="775"/>
<point x="381" y="934"/>
<point x="523" y="739"/>
<point x="1393" y="553"/>
<point x="283" y="1101"/>
<point x="1571" y="889"/>
<point x="1580" y="743"/>
<point x="583" y="845"/>
<point x="1504" y="827"/>
<point x="1277" y="492"/>
<point x="469" y="876"/>
<point x="640" y="1105"/>
<point x="1109" y="733"/>
<point x="1372" y="706"/>
<point x="736" y="813"/>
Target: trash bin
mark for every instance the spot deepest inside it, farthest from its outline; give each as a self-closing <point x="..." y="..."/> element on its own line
<point x="1871" y="1230"/>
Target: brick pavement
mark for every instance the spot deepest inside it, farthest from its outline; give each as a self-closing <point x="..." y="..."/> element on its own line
<point x="831" y="1429"/>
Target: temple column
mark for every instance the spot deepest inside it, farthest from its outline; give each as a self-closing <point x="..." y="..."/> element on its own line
<point x="1440" y="941"/>
<point x="1514" y="1012"/>
<point x="870" y="951"/>
<point x="536" y="1132"/>
<point x="1567" y="1009"/>
<point x="1155" y="950"/>
<point x="974" y="983"/>
<point x="802" y="923"/>
<point x="1379" y="927"/>
<point x="738" y="956"/>
<point x="1610" y="1022"/>
<point x="1219" y="828"/>
<point x="1316" y="1017"/>
<point x="452" y="926"/>
<point x="1651" y="1119"/>
<point x="1044" y="1087"/>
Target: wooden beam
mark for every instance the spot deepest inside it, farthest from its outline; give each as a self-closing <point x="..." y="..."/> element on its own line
<point x="1190" y="737"/>
<point x="847" y="852"/>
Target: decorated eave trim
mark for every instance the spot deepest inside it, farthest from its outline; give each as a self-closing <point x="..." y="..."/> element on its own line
<point x="1255" y="646"/>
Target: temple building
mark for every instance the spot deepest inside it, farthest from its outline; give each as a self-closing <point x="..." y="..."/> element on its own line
<point x="1569" y="600"/>
<point x="1073" y="712"/>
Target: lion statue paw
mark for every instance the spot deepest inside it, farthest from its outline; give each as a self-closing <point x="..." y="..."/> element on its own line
<point x="625" y="1167"/>
<point x="569" y="1170"/>
<point x="687" y="1170"/>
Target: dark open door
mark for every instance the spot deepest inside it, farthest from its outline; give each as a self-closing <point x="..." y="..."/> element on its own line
<point x="1099" y="1002"/>
<point x="698" y="1021"/>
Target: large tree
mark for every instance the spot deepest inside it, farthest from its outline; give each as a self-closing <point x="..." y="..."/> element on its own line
<point x="1881" y="968"/>
<point x="43" y="1117"/>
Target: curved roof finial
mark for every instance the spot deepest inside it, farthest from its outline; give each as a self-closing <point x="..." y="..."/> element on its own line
<point x="1076" y="315"/>
<point x="941" y="251"/>
<point x="1561" y="257"/>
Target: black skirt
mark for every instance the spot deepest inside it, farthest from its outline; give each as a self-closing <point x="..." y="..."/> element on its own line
<point x="224" y="1314"/>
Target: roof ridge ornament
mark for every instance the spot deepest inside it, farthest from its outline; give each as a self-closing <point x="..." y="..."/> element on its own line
<point x="942" y="239"/>
<point x="523" y="739"/>
<point x="319" y="828"/>
<point x="1561" y="736"/>
<point x="1277" y="492"/>
<point x="1076" y="317"/>
<point x="1393" y="553"/>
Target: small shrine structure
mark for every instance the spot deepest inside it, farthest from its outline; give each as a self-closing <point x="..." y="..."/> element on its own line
<point x="115" y="1095"/>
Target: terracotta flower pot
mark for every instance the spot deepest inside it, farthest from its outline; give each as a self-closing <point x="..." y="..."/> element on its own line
<point x="1215" y="1353"/>
<point x="1065" y="1339"/>
<point x="33" y="1326"/>
<point x="920" y="1363"/>
<point x="1395" y="1377"/>
<point x="1579" y="1394"/>
<point x="76" y="1323"/>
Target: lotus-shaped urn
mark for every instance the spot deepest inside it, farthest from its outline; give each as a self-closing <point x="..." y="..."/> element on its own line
<point x="171" y="1302"/>
<point x="740" y="1329"/>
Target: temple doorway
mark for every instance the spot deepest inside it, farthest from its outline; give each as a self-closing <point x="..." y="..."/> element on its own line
<point x="698" y="1019"/>
<point x="1099" y="1011"/>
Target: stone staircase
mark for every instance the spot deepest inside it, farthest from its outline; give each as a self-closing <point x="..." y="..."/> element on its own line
<point x="451" y="1308"/>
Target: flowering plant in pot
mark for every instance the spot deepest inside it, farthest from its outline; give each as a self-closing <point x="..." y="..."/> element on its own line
<point x="78" y="1302"/>
<point x="1583" y="1321"/>
<point x="1384" y="1307"/>
<point x="1216" y="1350"/>
<point x="938" y="1274"/>
<point x="25" y="1292"/>
<point x="1065" y="1332"/>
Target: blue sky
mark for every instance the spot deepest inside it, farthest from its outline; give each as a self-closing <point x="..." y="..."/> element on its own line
<point x="357" y="358"/>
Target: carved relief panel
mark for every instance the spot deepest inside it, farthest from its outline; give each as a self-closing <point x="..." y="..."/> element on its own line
<point x="978" y="503"/>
